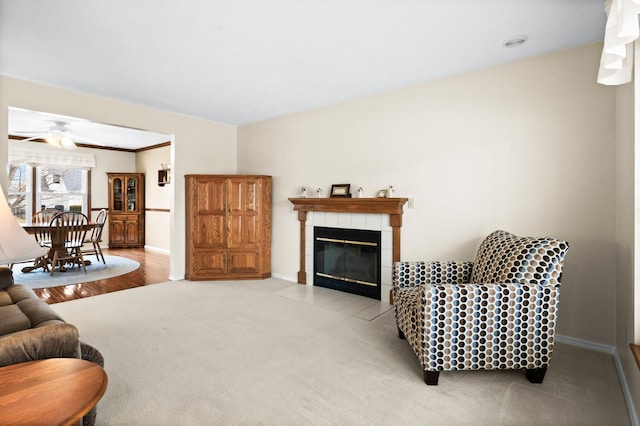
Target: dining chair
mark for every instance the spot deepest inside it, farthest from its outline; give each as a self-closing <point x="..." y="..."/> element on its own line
<point x="68" y="231"/>
<point x="42" y="218"/>
<point x="42" y="235"/>
<point x="92" y="244"/>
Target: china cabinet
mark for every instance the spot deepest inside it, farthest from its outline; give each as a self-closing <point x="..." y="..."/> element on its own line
<point x="126" y="209"/>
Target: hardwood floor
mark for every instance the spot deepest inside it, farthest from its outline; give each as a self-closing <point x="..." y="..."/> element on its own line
<point x="154" y="268"/>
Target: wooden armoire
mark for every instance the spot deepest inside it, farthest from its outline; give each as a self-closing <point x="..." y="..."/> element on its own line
<point x="126" y="209"/>
<point x="228" y="227"/>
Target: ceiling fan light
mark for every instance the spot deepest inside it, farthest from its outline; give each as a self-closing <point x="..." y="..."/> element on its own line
<point x="67" y="142"/>
<point x="54" y="140"/>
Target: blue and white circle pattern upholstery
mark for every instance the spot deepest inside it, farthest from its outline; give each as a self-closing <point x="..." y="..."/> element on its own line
<point x="499" y="312"/>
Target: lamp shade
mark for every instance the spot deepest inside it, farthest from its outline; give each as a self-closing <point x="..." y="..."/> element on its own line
<point x="15" y="244"/>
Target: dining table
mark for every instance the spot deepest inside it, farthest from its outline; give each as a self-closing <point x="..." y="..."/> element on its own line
<point x="45" y="261"/>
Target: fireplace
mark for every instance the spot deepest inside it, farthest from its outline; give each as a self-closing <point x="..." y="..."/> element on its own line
<point x="348" y="260"/>
<point x="373" y="214"/>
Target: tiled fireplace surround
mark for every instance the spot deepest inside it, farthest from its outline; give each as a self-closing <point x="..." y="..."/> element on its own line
<point x="384" y="215"/>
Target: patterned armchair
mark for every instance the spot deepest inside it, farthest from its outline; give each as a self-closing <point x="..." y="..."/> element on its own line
<point x="497" y="312"/>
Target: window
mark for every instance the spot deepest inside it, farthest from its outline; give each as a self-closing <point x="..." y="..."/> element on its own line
<point x="44" y="187"/>
<point x="19" y="196"/>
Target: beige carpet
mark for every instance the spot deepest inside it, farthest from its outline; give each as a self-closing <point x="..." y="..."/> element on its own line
<point x="275" y="353"/>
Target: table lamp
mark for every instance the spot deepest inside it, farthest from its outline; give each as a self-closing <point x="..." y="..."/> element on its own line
<point x="15" y="244"/>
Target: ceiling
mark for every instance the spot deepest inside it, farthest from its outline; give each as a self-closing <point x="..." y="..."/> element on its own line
<point x="23" y="122"/>
<point x="242" y="61"/>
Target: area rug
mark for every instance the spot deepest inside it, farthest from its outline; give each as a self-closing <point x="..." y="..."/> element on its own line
<point x="115" y="266"/>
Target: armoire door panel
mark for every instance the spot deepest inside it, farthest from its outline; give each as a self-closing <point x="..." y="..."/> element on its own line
<point x="243" y="261"/>
<point x="209" y="262"/>
<point x="211" y="197"/>
<point x="243" y="231"/>
<point x="242" y="195"/>
<point x="209" y="232"/>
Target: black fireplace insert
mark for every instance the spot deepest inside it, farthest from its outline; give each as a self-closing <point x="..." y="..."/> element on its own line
<point x="348" y="260"/>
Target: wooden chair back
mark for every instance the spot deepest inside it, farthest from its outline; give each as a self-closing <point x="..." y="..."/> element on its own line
<point x="96" y="233"/>
<point x="68" y="229"/>
<point x="41" y="218"/>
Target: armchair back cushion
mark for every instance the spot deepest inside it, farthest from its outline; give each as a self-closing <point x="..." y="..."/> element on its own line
<point x="507" y="258"/>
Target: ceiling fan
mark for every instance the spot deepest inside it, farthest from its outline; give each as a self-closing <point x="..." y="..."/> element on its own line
<point x="58" y="135"/>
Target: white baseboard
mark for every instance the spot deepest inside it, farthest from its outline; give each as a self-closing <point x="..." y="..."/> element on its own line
<point x="157" y="250"/>
<point x="586" y="344"/>
<point x="633" y="415"/>
<point x="284" y="277"/>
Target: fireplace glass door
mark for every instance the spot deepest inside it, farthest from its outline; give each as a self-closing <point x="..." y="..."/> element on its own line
<point x="347" y="260"/>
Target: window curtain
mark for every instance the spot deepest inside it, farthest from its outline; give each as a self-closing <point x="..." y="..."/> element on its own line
<point x="44" y="155"/>
<point x="622" y="29"/>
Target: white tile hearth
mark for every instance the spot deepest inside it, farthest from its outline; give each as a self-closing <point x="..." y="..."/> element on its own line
<point x="345" y="303"/>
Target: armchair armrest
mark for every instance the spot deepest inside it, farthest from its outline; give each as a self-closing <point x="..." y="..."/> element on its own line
<point x="506" y="320"/>
<point x="412" y="274"/>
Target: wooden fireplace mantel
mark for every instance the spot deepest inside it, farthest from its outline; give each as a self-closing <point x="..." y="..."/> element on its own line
<point x="391" y="206"/>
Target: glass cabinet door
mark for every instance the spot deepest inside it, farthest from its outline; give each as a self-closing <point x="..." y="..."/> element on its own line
<point x="117" y="194"/>
<point x="132" y="192"/>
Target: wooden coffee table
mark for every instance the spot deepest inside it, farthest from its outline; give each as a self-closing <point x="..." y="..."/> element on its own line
<point x="57" y="391"/>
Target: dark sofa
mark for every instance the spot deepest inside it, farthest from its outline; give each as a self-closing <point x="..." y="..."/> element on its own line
<point x="30" y="330"/>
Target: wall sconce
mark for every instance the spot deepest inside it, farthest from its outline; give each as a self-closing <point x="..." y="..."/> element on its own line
<point x="164" y="174"/>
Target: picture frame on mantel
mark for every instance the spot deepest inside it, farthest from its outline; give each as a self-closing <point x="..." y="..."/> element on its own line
<point x="340" y="190"/>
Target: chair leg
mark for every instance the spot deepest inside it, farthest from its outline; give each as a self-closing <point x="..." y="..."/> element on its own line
<point x="99" y="252"/>
<point x="400" y="333"/>
<point x="79" y="256"/>
<point x="431" y="377"/>
<point x="536" y="375"/>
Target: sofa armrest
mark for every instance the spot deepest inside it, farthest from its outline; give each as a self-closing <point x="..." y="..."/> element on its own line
<point x="59" y="340"/>
<point x="412" y="274"/>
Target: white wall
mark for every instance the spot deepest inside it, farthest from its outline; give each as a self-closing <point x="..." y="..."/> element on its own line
<point x="526" y="147"/>
<point x="158" y="199"/>
<point x="625" y="233"/>
<point x="199" y="146"/>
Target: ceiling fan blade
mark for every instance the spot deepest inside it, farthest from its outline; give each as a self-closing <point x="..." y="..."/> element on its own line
<point x="41" y="136"/>
<point x="78" y="138"/>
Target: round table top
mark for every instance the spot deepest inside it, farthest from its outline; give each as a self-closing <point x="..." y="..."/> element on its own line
<point x="50" y="391"/>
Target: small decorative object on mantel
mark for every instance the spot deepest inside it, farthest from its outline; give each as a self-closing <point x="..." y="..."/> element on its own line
<point x="382" y="193"/>
<point x="340" y="190"/>
<point x="390" y="192"/>
<point x="359" y="192"/>
<point x="303" y="192"/>
<point x="318" y="192"/>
